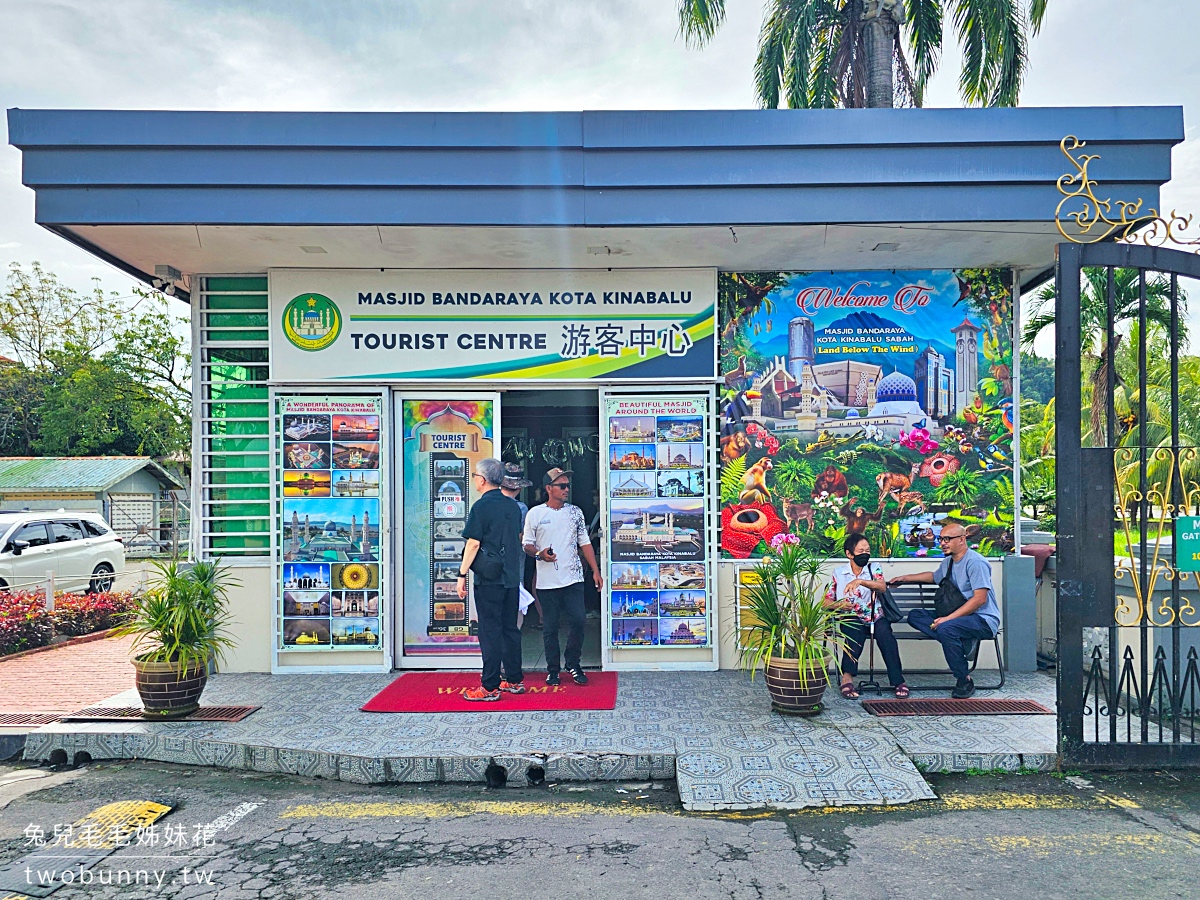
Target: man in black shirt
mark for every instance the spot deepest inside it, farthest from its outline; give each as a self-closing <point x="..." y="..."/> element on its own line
<point x="493" y="542"/>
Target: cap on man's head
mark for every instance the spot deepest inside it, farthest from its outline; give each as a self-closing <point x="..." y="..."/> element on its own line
<point x="553" y="475"/>
<point x="514" y="477"/>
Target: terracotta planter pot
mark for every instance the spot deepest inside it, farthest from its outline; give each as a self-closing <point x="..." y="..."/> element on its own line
<point x="168" y="693"/>
<point x="788" y="695"/>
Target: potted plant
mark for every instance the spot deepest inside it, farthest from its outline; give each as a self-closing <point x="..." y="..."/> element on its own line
<point x="179" y="626"/>
<point x="787" y="629"/>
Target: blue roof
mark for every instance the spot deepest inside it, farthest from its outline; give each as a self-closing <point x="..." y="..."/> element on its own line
<point x="97" y="167"/>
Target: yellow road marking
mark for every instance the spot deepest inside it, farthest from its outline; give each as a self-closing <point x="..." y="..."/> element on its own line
<point x="1123" y="802"/>
<point x="951" y="802"/>
<point x="114" y="822"/>
<point x="457" y="809"/>
<point x="993" y="800"/>
<point x="1058" y="844"/>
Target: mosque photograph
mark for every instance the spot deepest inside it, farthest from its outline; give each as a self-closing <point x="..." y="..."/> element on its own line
<point x="335" y="530"/>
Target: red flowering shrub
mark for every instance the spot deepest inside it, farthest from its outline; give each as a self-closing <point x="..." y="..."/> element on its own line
<point x="76" y="614"/>
<point x="24" y="622"/>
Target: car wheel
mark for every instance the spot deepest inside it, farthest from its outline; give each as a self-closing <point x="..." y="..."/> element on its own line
<point x="102" y="579"/>
<point x="3" y="585"/>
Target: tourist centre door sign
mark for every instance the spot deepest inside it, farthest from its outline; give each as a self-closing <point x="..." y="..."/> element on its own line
<point x="511" y="325"/>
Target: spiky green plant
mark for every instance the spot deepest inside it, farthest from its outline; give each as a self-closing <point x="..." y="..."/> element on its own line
<point x="959" y="487"/>
<point x="793" y="478"/>
<point x="787" y="617"/>
<point x="182" y="618"/>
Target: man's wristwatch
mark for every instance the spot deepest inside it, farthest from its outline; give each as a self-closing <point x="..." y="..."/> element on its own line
<point x="462" y="574"/>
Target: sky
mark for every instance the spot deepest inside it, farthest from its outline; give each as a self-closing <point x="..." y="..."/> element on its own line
<point x="498" y="55"/>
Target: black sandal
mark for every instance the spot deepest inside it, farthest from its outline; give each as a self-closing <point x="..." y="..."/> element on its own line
<point x="901" y="691"/>
<point x="849" y="692"/>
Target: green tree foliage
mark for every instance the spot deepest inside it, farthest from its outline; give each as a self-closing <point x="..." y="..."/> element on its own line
<point x="855" y="53"/>
<point x="1037" y="378"/>
<point x="92" y="374"/>
<point x="1093" y="326"/>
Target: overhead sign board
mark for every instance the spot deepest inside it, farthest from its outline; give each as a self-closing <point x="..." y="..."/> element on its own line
<point x="502" y="325"/>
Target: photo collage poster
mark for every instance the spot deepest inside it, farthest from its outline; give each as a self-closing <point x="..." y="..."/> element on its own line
<point x="331" y="596"/>
<point x="657" y="524"/>
<point x="442" y="443"/>
<point x="878" y="403"/>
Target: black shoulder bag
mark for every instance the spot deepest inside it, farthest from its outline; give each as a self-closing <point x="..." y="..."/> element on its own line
<point x="887" y="605"/>
<point x="947" y="598"/>
<point x="487" y="564"/>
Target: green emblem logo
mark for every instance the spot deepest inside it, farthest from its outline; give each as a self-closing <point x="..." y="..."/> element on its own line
<point x="312" y="321"/>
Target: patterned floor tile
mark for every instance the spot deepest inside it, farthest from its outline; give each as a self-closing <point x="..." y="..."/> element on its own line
<point x="725" y="747"/>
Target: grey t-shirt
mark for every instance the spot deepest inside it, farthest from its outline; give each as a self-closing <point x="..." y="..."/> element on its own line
<point x="970" y="574"/>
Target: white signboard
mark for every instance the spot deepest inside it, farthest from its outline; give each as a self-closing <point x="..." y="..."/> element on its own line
<point x="506" y="325"/>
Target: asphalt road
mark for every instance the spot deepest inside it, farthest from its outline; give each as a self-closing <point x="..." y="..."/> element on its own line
<point x="1033" y="836"/>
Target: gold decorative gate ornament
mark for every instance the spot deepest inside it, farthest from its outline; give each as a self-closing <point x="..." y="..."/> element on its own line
<point x="1095" y="218"/>
<point x="1157" y="497"/>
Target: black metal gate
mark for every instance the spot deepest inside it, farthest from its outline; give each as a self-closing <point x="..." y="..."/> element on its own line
<point x="1128" y="468"/>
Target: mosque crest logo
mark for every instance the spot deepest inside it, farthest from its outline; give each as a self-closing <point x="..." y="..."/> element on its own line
<point x="312" y="321"/>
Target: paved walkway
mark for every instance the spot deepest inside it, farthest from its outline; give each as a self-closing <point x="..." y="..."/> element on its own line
<point x="67" y="678"/>
<point x="713" y="732"/>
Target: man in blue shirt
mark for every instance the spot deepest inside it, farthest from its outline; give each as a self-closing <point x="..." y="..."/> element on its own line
<point x="976" y="620"/>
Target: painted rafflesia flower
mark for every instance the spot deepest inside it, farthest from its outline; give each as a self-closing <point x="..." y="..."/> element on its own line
<point x="743" y="525"/>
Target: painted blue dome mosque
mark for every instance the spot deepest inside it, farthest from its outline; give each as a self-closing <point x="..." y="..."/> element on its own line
<point x="896" y="395"/>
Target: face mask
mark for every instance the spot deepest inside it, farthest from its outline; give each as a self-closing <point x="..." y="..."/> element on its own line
<point x="861" y="559"/>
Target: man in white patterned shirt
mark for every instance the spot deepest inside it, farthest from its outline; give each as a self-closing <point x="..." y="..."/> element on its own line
<point x="556" y="536"/>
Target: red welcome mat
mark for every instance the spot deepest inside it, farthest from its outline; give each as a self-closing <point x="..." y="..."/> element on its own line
<point x="442" y="692"/>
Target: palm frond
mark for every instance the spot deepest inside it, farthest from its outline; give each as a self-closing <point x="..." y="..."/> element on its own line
<point x="969" y="22"/>
<point x="772" y="50"/>
<point x="1037" y="12"/>
<point x="925" y="41"/>
<point x="1009" y="53"/>
<point x="699" y="20"/>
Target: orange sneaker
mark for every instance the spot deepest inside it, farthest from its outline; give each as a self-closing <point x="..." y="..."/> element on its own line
<point x="480" y="695"/>
<point x="510" y="687"/>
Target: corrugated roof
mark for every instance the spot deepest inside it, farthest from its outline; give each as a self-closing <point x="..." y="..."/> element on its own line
<point x="75" y="473"/>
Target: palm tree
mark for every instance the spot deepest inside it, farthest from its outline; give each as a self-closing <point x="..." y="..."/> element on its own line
<point x="822" y="54"/>
<point x="1093" y="323"/>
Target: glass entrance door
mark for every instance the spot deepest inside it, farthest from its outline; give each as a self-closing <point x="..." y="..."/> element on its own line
<point x="440" y="439"/>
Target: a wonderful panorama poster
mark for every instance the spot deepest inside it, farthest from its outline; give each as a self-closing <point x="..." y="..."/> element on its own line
<point x="876" y="402"/>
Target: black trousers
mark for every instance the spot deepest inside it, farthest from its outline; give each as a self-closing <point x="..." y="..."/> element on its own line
<point x="855" y="634"/>
<point x="565" y="602"/>
<point x="499" y="639"/>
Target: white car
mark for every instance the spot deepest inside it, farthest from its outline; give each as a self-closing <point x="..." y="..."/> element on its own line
<point x="79" y="547"/>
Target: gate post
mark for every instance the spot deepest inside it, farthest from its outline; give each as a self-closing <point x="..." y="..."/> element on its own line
<point x="1068" y="477"/>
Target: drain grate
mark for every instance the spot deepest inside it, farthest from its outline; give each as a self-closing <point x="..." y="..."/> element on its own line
<point x="956" y="708"/>
<point x="124" y="713"/>
<point x="16" y="719"/>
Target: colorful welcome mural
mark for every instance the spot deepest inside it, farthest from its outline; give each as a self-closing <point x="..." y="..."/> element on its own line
<point x="877" y="402"/>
